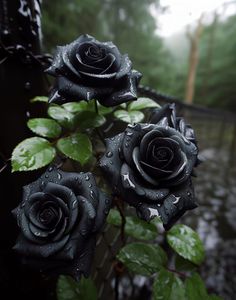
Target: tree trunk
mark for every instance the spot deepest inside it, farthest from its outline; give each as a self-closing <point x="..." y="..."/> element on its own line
<point x="194" y="39"/>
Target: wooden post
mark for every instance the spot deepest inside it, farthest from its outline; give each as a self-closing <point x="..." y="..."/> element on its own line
<point x="194" y="39"/>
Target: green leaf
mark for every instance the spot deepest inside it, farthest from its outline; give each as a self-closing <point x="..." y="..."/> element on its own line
<point x="144" y="259"/>
<point x="182" y="264"/>
<point x="186" y="243"/>
<point x="103" y="110"/>
<point x="32" y="154"/>
<point x="129" y="116"/>
<point x="140" y="229"/>
<point x="195" y="288"/>
<point x="142" y="103"/>
<point x="75" y="107"/>
<point x="167" y="286"/>
<point x="134" y="227"/>
<point x="39" y="99"/>
<point x="44" y="127"/>
<point x="69" y="289"/>
<point x="76" y="146"/>
<point x="61" y="115"/>
<point x="214" y="297"/>
<point x="89" y="119"/>
<point x="114" y="217"/>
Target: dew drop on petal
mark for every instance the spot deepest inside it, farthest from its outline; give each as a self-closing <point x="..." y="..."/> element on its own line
<point x="109" y="154"/>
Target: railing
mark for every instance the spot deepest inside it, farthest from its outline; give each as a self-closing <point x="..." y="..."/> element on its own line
<point x="216" y="133"/>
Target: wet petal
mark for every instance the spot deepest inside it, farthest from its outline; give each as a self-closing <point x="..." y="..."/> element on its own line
<point x="28" y="248"/>
<point x="70" y="91"/>
<point x="145" y="176"/>
<point x="111" y="163"/>
<point x="131" y="139"/>
<point x="155" y="172"/>
<point x="123" y="92"/>
<point x="167" y="112"/>
<point x="138" y="190"/>
<point x="125" y="67"/>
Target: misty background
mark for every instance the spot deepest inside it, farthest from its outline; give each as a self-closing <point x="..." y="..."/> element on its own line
<point x="184" y="49"/>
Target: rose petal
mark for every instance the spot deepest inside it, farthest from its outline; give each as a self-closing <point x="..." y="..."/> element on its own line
<point x="68" y="197"/>
<point x="147" y="139"/>
<point x="28" y="248"/>
<point x="131" y="139"/>
<point x="111" y="163"/>
<point x="125" y="66"/>
<point x="138" y="190"/>
<point x="76" y="92"/>
<point x="124" y="91"/>
<point x="145" y="176"/>
<point x="173" y="207"/>
<point x="157" y="173"/>
<point x="82" y="184"/>
<point x="167" y="112"/>
<point x="24" y="225"/>
<point x="103" y="208"/>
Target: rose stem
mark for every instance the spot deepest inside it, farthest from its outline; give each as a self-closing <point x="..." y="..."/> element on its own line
<point x="96" y="106"/>
<point x="97" y="129"/>
<point x="177" y="272"/>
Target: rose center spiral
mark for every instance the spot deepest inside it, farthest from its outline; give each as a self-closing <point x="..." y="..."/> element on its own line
<point x="162" y="153"/>
<point x="47" y="216"/>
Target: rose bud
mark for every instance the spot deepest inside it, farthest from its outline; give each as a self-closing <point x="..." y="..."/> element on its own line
<point x="88" y="69"/>
<point x="59" y="217"/>
<point x="150" y="166"/>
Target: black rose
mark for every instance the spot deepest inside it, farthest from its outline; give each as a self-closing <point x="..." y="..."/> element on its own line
<point x="151" y="165"/>
<point x="88" y="69"/>
<point x="59" y="217"/>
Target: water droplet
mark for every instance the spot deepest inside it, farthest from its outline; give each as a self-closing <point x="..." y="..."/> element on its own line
<point x="42" y="183"/>
<point x="37" y="233"/>
<point x="111" y="162"/>
<point x="46" y="176"/>
<point x="129" y="133"/>
<point x="92" y="194"/>
<point x="74" y="203"/>
<point x="22" y="204"/>
<point x="107" y="201"/>
<point x="50" y="169"/>
<point x="90" y="185"/>
<point x="27" y="86"/>
<point x="87" y="177"/>
<point x="126" y="145"/>
<point x="59" y="176"/>
<point x="127" y="139"/>
<point x="109" y="154"/>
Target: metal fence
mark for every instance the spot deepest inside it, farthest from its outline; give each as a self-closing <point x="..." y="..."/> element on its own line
<point x="215" y="130"/>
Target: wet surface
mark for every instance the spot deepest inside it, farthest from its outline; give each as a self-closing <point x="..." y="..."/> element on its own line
<point x="215" y="218"/>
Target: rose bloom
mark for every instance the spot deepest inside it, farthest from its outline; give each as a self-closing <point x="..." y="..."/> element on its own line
<point x="88" y="69"/>
<point x="59" y="217"/>
<point x="150" y="166"/>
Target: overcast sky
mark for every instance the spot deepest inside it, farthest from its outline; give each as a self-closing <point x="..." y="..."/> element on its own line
<point x="183" y="12"/>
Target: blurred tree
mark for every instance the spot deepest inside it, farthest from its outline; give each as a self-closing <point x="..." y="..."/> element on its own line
<point x="129" y="24"/>
<point x="194" y="40"/>
<point x="216" y="78"/>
